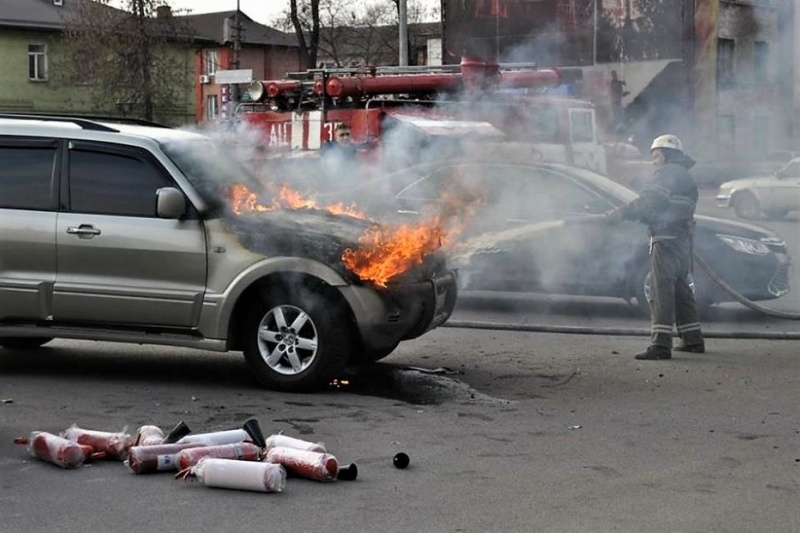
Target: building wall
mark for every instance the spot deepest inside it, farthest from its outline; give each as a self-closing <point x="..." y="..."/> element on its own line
<point x="752" y="104"/>
<point x="19" y="94"/>
<point x="267" y="63"/>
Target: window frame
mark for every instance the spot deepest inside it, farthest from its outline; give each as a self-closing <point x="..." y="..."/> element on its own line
<point x="39" y="142"/>
<point x="113" y="149"/>
<point x="37" y="60"/>
<point x="726" y="64"/>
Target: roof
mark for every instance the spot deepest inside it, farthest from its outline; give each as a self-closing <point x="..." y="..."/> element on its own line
<point x="45" y="15"/>
<point x="37" y="14"/>
<point x="212" y="26"/>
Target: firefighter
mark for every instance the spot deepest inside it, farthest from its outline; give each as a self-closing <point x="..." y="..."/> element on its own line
<point x="667" y="205"/>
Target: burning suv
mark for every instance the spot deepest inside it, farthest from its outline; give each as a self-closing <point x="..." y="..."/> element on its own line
<point x="151" y="235"/>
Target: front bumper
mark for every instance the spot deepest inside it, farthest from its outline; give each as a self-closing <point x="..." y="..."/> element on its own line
<point x="402" y="311"/>
<point x="724" y="200"/>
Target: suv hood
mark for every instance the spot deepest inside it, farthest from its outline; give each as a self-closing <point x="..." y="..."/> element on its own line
<point x="310" y="233"/>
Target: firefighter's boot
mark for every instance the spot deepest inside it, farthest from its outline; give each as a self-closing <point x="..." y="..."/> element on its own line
<point x="699" y="347"/>
<point x="654" y="352"/>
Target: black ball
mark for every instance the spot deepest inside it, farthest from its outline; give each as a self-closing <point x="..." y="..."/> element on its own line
<point x="401" y="460"/>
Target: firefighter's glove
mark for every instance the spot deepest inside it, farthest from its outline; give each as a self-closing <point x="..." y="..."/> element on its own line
<point x="612" y="218"/>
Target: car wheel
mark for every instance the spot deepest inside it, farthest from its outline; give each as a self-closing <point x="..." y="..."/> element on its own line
<point x="776" y="214"/>
<point x="746" y="206"/>
<point x="23" y="343"/>
<point x="296" y="340"/>
<point x="641" y="287"/>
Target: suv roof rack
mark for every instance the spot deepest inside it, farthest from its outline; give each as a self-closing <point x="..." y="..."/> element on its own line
<point x="87" y="122"/>
<point x="83" y="123"/>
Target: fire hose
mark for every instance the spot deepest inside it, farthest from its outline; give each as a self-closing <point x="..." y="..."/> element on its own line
<point x="640" y="332"/>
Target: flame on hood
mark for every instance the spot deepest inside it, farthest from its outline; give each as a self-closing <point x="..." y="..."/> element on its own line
<point x="387" y="251"/>
<point x="243" y="200"/>
<point x="384" y="251"/>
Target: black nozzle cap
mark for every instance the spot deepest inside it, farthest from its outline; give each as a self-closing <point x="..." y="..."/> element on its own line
<point x="348" y="473"/>
<point x="177" y="433"/>
<point x="401" y="460"/>
<point x="253" y="429"/>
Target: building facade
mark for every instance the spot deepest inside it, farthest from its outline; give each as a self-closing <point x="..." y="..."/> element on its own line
<point x="720" y="73"/>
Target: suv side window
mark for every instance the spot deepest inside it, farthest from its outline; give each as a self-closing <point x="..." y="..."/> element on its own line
<point x="113" y="183"/>
<point x="26" y="174"/>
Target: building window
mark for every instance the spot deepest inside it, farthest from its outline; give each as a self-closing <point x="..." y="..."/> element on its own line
<point x="761" y="135"/>
<point x="726" y="76"/>
<point x="211" y="62"/>
<point x="212" y="112"/>
<point x="761" y="62"/>
<point x="726" y="135"/>
<point x="37" y="62"/>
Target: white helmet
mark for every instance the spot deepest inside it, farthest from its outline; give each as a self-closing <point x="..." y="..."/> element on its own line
<point x="667" y="141"/>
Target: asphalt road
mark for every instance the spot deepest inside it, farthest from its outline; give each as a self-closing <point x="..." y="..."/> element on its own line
<point x="507" y="431"/>
<point x="534" y="432"/>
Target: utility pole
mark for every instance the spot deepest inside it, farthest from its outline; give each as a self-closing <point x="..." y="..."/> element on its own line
<point x="237" y="47"/>
<point x="402" y="13"/>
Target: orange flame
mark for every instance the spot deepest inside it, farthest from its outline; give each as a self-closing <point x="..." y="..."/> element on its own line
<point x="385" y="252"/>
<point x="242" y="200"/>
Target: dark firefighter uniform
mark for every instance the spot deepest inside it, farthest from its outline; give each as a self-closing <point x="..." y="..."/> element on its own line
<point x="667" y="205"/>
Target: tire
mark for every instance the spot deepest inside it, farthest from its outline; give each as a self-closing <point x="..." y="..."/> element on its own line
<point x="639" y="294"/>
<point x="296" y="341"/>
<point x="776" y="214"/>
<point x="23" y="343"/>
<point x="701" y="298"/>
<point x="746" y="206"/>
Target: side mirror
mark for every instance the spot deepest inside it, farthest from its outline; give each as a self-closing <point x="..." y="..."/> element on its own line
<point x="170" y="203"/>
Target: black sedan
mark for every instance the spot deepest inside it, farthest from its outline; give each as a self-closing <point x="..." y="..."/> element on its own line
<point x="518" y="239"/>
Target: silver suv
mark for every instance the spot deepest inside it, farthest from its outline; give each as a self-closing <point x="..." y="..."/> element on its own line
<point x="124" y="232"/>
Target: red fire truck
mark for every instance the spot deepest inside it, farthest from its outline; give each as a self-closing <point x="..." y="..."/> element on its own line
<point x="512" y="104"/>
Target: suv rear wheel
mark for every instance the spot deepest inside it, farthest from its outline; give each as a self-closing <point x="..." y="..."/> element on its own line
<point x="296" y="340"/>
<point x="23" y="343"/>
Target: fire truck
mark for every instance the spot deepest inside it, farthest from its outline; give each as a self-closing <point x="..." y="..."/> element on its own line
<point x="509" y="105"/>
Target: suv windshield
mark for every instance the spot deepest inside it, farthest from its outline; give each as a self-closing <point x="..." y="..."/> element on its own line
<point x="210" y="169"/>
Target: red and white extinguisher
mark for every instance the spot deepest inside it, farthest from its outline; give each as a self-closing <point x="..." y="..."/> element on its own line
<point x="238" y="475"/>
<point x="280" y="440"/>
<point x="157" y="458"/>
<point x="217" y="437"/>
<point x="57" y="450"/>
<point x="310" y="465"/>
<point x="241" y="451"/>
<point x="149" y="435"/>
<point x="114" y="445"/>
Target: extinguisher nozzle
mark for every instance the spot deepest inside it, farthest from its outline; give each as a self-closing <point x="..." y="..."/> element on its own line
<point x="347" y="473"/>
<point x="253" y="429"/>
<point x="177" y="433"/>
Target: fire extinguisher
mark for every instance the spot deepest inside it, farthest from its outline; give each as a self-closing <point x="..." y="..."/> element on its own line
<point x="58" y="450"/>
<point x="241" y="451"/>
<point x="114" y="445"/>
<point x="310" y="465"/>
<point x="239" y="475"/>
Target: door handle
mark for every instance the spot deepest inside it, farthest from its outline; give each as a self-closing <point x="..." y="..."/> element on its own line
<point x="84" y="231"/>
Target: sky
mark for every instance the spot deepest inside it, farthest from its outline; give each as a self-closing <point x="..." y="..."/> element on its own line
<point x="262" y="11"/>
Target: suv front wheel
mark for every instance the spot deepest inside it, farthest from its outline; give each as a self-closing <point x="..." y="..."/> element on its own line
<point x="296" y="340"/>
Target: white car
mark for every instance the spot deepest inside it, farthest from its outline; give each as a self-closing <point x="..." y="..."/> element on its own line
<point x="771" y="196"/>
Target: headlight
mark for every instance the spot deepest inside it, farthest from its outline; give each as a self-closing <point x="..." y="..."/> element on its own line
<point x="745" y="246"/>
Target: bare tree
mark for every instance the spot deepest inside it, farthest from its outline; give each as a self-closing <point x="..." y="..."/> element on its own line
<point x="348" y="31"/>
<point x="305" y="21"/>
<point x="135" y="62"/>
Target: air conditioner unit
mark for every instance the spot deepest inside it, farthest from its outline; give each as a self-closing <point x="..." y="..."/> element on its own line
<point x="204" y="79"/>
